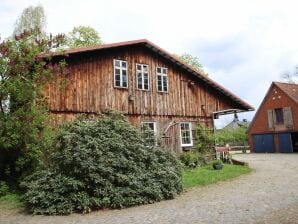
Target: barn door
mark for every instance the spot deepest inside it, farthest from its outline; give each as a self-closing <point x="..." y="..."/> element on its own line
<point x="285" y="142"/>
<point x="263" y="143"/>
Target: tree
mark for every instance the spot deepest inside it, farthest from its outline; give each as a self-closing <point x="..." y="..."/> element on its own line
<point x="83" y="36"/>
<point x="192" y="61"/>
<point x="231" y="135"/>
<point x="291" y="77"/>
<point x="32" y="18"/>
<point x="23" y="130"/>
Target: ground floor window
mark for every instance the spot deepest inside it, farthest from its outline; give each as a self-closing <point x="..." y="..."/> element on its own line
<point x="186" y="134"/>
<point x="151" y="125"/>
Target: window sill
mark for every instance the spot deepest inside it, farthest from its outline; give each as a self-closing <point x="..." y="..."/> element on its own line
<point x="119" y="87"/>
<point x="145" y="90"/>
<point x="163" y="92"/>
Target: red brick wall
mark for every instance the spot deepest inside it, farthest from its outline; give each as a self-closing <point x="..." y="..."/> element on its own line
<point x="275" y="98"/>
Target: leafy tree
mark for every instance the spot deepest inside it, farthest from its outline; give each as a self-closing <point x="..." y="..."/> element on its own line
<point x="83" y="36"/>
<point x="231" y="135"/>
<point x="102" y="163"/>
<point x="32" y="18"/>
<point x="23" y="130"/>
<point x="192" y="61"/>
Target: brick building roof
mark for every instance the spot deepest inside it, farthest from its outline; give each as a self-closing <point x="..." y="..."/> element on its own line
<point x="290" y="89"/>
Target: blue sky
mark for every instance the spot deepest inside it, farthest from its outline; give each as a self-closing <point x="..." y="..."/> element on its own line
<point x="244" y="45"/>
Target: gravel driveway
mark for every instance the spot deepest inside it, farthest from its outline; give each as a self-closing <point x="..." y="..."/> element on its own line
<point x="267" y="195"/>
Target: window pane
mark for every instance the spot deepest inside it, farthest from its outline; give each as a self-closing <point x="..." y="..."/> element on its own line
<point x="123" y="72"/>
<point x="158" y="70"/>
<point x="139" y="67"/>
<point x="117" y="71"/>
<point x="117" y="83"/>
<point x="164" y="71"/>
<point x="151" y="126"/>
<point x="123" y="64"/>
<point x="117" y="63"/>
<point x="165" y="84"/>
<point x="279" y="116"/>
<point x="124" y="78"/>
<point x="145" y="68"/>
<point x="117" y="77"/>
<point x="124" y="84"/>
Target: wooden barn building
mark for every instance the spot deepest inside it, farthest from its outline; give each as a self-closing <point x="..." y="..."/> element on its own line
<point x="275" y="125"/>
<point x="149" y="85"/>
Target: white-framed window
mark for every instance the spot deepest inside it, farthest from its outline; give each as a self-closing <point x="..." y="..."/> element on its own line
<point x="150" y="140"/>
<point x="162" y="79"/>
<point x="142" y="73"/>
<point x="149" y="124"/>
<point x="120" y="74"/>
<point x="186" y="134"/>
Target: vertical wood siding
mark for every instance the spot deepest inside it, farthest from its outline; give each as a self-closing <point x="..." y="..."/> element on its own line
<point x="90" y="88"/>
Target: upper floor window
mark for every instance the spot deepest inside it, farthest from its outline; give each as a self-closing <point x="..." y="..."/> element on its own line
<point x="279" y="115"/>
<point x="162" y="79"/>
<point x="186" y="134"/>
<point x="142" y="76"/>
<point x="120" y="73"/>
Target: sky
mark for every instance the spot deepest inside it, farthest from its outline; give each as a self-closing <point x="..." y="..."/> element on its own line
<point x="244" y="44"/>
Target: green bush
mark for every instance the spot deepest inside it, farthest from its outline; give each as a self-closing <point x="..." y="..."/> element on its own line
<point x="3" y="189"/>
<point x="103" y="163"/>
<point x="190" y="159"/>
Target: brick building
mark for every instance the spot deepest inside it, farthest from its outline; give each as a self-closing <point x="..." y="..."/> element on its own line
<point x="275" y="125"/>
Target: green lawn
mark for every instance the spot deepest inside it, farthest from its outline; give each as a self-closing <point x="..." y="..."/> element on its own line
<point x="207" y="175"/>
<point x="10" y="202"/>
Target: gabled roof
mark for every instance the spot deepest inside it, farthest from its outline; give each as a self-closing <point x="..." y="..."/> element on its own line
<point x="236" y="123"/>
<point x="143" y="42"/>
<point x="289" y="89"/>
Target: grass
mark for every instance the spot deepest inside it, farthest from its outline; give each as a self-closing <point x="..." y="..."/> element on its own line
<point x="10" y="202"/>
<point x="207" y="175"/>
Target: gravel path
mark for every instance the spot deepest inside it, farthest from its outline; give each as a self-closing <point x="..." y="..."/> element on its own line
<point x="267" y="195"/>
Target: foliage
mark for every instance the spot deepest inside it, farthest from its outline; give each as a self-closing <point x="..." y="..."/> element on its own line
<point x="103" y="163"/>
<point x="31" y="18"/>
<point x="192" y="61"/>
<point x="83" y="36"/>
<point x="225" y="136"/>
<point x="23" y="131"/>
<point x="202" y="176"/>
<point x="3" y="188"/>
<point x="189" y="159"/>
<point x="204" y="143"/>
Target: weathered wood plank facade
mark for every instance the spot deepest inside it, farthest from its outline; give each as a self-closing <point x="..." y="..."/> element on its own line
<point x="191" y="97"/>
